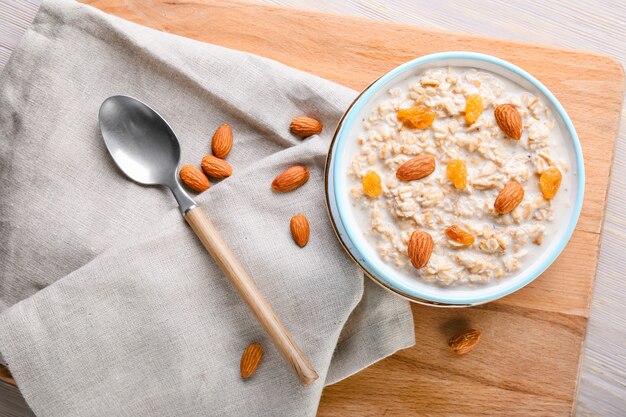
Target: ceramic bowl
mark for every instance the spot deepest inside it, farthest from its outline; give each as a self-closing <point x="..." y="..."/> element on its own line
<point x="351" y="235"/>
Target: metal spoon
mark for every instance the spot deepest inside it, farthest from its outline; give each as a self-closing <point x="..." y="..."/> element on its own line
<point x="146" y="149"/>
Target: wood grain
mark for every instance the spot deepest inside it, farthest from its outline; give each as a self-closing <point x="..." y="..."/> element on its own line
<point x="250" y="293"/>
<point x="552" y="311"/>
<point x="535" y="370"/>
<point x="367" y="49"/>
<point x="516" y="370"/>
<point x="5" y="375"/>
<point x="11" y="402"/>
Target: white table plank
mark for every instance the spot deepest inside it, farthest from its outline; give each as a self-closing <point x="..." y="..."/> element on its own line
<point x="591" y="25"/>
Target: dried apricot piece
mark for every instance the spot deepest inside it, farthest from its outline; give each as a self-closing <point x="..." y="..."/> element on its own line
<point x="419" y="117"/>
<point x="473" y="108"/>
<point x="372" y="184"/>
<point x="457" y="173"/>
<point x="549" y="182"/>
<point x="459" y="235"/>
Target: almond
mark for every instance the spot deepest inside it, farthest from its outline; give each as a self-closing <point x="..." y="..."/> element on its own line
<point x="216" y="167"/>
<point x="420" y="249"/>
<point x="509" y="197"/>
<point x="250" y="359"/>
<point x="291" y="178"/>
<point x="464" y="341"/>
<point x="509" y="120"/>
<point x="305" y="126"/>
<point x="300" y="229"/>
<point x="222" y="141"/>
<point x="194" y="178"/>
<point x="419" y="167"/>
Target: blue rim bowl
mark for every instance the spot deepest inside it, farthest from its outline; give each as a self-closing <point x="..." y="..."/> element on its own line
<point x="351" y="237"/>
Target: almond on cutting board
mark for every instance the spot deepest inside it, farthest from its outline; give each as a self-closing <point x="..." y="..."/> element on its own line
<point x="509" y="197"/>
<point x="290" y="179"/>
<point x="222" y="141"/>
<point x="420" y="248"/>
<point x="305" y="126"/>
<point x="215" y="167"/>
<point x="194" y="178"/>
<point x="300" y="229"/>
<point x="419" y="167"/>
<point x="250" y="359"/>
<point x="464" y="341"/>
<point x="509" y="120"/>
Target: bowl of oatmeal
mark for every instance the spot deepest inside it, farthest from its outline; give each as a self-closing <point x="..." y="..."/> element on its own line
<point x="455" y="179"/>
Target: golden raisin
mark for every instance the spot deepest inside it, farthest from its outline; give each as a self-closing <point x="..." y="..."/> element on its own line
<point x="372" y="185"/>
<point x="457" y="173"/>
<point x="473" y="108"/>
<point x="549" y="182"/>
<point x="459" y="235"/>
<point x="419" y="117"/>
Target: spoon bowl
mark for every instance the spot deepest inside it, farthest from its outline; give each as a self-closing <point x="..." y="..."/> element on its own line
<point x="142" y="144"/>
<point x="140" y="141"/>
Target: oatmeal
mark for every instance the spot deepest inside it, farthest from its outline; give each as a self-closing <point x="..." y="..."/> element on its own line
<point x="469" y="159"/>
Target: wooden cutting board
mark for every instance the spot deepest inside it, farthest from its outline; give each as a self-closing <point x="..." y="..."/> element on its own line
<point x="528" y="358"/>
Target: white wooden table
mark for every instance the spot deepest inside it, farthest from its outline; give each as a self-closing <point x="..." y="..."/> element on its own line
<point x="591" y="25"/>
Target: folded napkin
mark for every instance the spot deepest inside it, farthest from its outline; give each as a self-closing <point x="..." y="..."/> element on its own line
<point x="111" y="306"/>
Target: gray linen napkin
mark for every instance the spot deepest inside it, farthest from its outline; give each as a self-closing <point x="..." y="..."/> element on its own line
<point x="111" y="305"/>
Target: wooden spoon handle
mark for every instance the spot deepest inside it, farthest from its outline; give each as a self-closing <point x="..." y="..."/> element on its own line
<point x="215" y="245"/>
